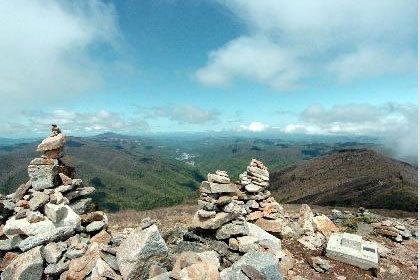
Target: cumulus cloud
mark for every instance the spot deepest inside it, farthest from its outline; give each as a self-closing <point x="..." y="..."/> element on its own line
<point x="185" y="114"/>
<point x="45" y="47"/>
<point x="251" y="58"/>
<point x="254" y="127"/>
<point x="396" y="125"/>
<point x="289" y="43"/>
<point x="75" y="123"/>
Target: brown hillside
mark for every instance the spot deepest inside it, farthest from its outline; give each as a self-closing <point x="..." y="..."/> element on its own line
<point x="356" y="177"/>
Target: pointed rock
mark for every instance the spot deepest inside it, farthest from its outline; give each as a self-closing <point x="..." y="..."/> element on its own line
<point x="52" y="143"/>
<point x="305" y="219"/>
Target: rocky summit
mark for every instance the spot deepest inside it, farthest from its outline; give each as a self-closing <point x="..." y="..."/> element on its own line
<point x="50" y="229"/>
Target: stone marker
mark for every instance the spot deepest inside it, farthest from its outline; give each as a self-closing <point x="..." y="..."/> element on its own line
<point x="352" y="249"/>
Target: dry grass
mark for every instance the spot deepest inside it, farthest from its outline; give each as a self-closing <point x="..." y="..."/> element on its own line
<point x="181" y="215"/>
<point x="167" y="217"/>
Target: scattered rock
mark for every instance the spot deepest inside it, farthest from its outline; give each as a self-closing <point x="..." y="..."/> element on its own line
<point x="319" y="264"/>
<point x="138" y="249"/>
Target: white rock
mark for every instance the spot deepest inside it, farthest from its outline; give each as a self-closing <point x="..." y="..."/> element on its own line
<point x="252" y="188"/>
<point x="23" y="226"/>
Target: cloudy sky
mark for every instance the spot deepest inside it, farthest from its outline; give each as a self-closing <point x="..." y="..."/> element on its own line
<point x="309" y="67"/>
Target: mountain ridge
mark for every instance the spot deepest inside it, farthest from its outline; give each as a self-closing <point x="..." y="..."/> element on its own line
<point x="347" y="177"/>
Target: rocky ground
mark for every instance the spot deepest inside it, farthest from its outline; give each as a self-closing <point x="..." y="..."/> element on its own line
<point x="397" y="260"/>
<point x="49" y="229"/>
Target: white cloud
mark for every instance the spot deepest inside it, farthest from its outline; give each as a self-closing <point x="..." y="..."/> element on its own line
<point x="289" y="43"/>
<point x="74" y="123"/>
<point x="254" y="127"/>
<point x="185" y="114"/>
<point x="45" y="47"/>
<point x="250" y="58"/>
<point x="395" y="124"/>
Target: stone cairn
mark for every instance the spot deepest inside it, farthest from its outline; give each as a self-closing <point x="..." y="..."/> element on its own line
<point x="48" y="227"/>
<point x="220" y="222"/>
<point x="261" y="208"/>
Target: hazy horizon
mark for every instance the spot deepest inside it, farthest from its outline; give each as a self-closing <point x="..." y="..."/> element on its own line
<point x="345" y="68"/>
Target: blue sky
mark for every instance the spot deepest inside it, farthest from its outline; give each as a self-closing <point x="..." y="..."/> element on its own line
<point x="307" y="67"/>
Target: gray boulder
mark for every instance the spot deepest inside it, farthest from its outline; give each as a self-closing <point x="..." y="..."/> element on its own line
<point x="53" y="251"/>
<point x="95" y="226"/>
<point x="79" y="192"/>
<point x="254" y="265"/>
<point x="43" y="176"/>
<point x="81" y="206"/>
<point x="42" y="239"/>
<point x="38" y="199"/>
<point x="57" y="268"/>
<point x="138" y="250"/>
<point x="10" y="243"/>
<point x="227" y="230"/>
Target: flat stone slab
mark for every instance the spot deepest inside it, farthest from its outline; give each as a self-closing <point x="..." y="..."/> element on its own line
<point x="215" y="222"/>
<point x="352" y="249"/>
<point x="208" y="187"/>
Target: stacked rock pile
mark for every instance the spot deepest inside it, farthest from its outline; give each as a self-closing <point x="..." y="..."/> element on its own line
<point x="220" y="225"/>
<point x="219" y="208"/>
<point x="49" y="230"/>
<point x="261" y="208"/>
<point x="48" y="227"/>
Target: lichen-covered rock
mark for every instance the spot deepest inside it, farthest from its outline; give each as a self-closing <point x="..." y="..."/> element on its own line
<point x="81" y="206"/>
<point x="209" y="187"/>
<point x="215" y="222"/>
<point x="38" y="199"/>
<point x="53" y="251"/>
<point x="26" y="266"/>
<point x="230" y="229"/>
<point x="23" y="226"/>
<point x="103" y="270"/>
<point x="81" y="267"/>
<point x="95" y="226"/>
<point x="42" y="239"/>
<point x="254" y="265"/>
<point x="136" y="252"/>
<point x="54" y="269"/>
<point x="43" y="176"/>
<point x="10" y="243"/>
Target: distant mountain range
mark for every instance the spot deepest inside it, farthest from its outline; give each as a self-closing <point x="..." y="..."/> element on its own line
<point x="350" y="177"/>
<point x="150" y="171"/>
<point x="124" y="178"/>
